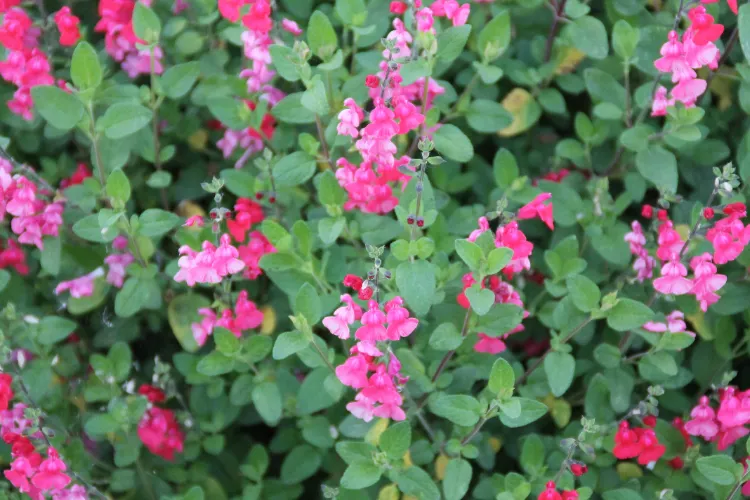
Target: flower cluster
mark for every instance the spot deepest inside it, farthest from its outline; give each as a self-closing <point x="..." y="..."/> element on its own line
<point x="158" y="429"/>
<point x="26" y="65"/>
<point x="682" y="58"/>
<point x="675" y="323"/>
<point x="644" y="263"/>
<point x="117" y="263"/>
<point x="379" y="393"/>
<point x="245" y="316"/>
<point x="211" y="264"/>
<point x="116" y="22"/>
<point x="725" y="425"/>
<point x="370" y="190"/>
<point x="30" y="472"/>
<point x="247" y="213"/>
<point x="640" y="442"/>
<point x="33" y="217"/>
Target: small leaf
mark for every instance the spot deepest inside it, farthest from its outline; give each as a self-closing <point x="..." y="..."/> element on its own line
<point x="560" y="368"/>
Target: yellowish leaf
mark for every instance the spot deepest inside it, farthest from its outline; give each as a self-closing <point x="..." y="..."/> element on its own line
<point x="525" y="110"/>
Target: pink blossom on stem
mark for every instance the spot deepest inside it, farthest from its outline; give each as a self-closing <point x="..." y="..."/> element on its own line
<point x="672" y="280"/>
<point x="537" y="208"/>
<point x="82" y="286"/>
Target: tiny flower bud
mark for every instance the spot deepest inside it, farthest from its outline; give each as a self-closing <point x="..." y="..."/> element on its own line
<point x="372" y="81"/>
<point x="420" y="221"/>
<point x="371" y="275"/>
<point x="398" y="8"/>
<point x="259" y="195"/>
<point x="647" y="211"/>
<point x="272" y="198"/>
<point x="708" y="213"/>
<point x="649" y="421"/>
<point x="387" y="275"/>
<point x="662" y="215"/>
<point x="410" y="220"/>
<point x="578" y="469"/>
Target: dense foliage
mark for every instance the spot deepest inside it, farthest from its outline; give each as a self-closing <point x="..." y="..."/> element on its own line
<point x="280" y="249"/>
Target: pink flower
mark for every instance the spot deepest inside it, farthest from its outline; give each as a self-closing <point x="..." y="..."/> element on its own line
<point x="702" y="420"/>
<point x="338" y="324"/>
<point x="707" y="282"/>
<point x="673" y="281"/>
<point x="247" y="314"/>
<point x="353" y="373"/>
<point x="512" y="237"/>
<point x="117" y="264"/>
<point x="424" y="19"/>
<point x="350" y="118"/>
<point x="195" y="220"/>
<point x="160" y="432"/>
<point x="489" y="344"/>
<point x="670" y="242"/>
<point x="372" y="328"/>
<point x="225" y="258"/>
<point x="361" y="408"/>
<point x="689" y="90"/>
<point x="537" y="208"/>
<point x="461" y="15"/>
<point x="399" y="323"/>
<point x="50" y="475"/>
<point x="257" y="246"/>
<point x="484" y="226"/>
<point x="675" y="324"/>
<point x="291" y="27"/>
<point x="16" y="23"/>
<point x="729" y="237"/>
<point x="67" y="24"/>
<point x="205" y="327"/>
<point x="82" y="286"/>
<point x="661" y="103"/>
<point x="230" y="9"/>
<point x="733" y="411"/>
<point x="138" y="62"/>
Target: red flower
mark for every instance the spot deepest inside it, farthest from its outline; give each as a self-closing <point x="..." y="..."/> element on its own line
<point x="579" y="469"/>
<point x="676" y="463"/>
<point x="153" y="394"/>
<point x="704" y="27"/>
<point x="6" y="392"/>
<point x="649" y="421"/>
<point x="247" y="213"/>
<point x="372" y="81"/>
<point x="550" y="493"/>
<point x="662" y="215"/>
<point x="365" y="293"/>
<point x="626" y="443"/>
<point x="737" y="209"/>
<point x="353" y="281"/>
<point x="647" y="211"/>
<point x="652" y="450"/>
<point x="81" y="173"/>
<point x="67" y="24"/>
<point x="161" y="433"/>
<point x="398" y="8"/>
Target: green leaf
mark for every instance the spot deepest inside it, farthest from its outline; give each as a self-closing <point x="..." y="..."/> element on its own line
<point x="500" y="319"/>
<point x="330" y="191"/>
<point x="470" y="253"/>
<point x="505" y="168"/>
<point x="321" y="36"/>
<point x="301" y="463"/>
<point x="414" y="70"/>
<point x="156" y="222"/>
<point x="498" y="258"/>
<point x="330" y="228"/>
<point x="307" y="303"/>
<point x="283" y="59"/>
<point x="226" y="342"/>
<point x="621" y="494"/>
<point x="53" y="329"/>
<point x="584" y="292"/>
<point x="396" y="439"/>
<point x="416" y="482"/>
<point x="531" y="411"/>
<point x="502" y="379"/>
<point x="289" y="343"/>
<point x="159" y="179"/>
<point x="118" y="186"/>
<point x="123" y="119"/>
<point x="445" y="338"/>
<point x="291" y="110"/>
<point x="359" y="476"/>
<point x="719" y="469"/>
<point x="146" y="24"/>
<point x="416" y="283"/>
<point x="179" y="79"/>
<point x="239" y="182"/>
<point x="451" y="142"/>
<point x="50" y="258"/>
<point x="131" y="298"/>
<point x="215" y="364"/>
<point x="624" y="39"/>
<point x="460" y="409"/>
<point x="294" y="169"/>
<point x="62" y="110"/>
<point x="355" y="452"/>
<point x="488" y="116"/>
<point x="352" y="12"/>
<point x="100" y="425"/>
<point x="121" y="358"/>
<point x="85" y="70"/>
<point x="451" y="42"/>
<point x="589" y="35"/>
<point x="494" y="37"/>
<point x="743" y="25"/>
<point x="4" y="279"/>
<point x="457" y="479"/>
<point x="659" y="166"/>
<point x="481" y="299"/>
<point x="560" y="368"/>
<point x="314" y="98"/>
<point x="628" y="314"/>
<point x="231" y="112"/>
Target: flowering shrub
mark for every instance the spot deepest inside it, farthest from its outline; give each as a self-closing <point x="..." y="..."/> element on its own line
<point x="374" y="249"/>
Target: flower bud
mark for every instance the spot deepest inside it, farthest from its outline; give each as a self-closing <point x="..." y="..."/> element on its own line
<point x="708" y="213"/>
<point x="578" y="469"/>
<point x="647" y="211"/>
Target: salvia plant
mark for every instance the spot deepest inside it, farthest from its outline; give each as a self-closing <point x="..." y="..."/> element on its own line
<point x="373" y="249"/>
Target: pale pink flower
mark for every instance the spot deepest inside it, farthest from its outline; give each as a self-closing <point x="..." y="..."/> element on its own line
<point x="82" y="286"/>
<point x="291" y="27"/>
<point x="672" y="280"/>
<point x="117" y="264"/>
<point x="707" y="282"/>
<point x="537" y="208"/>
<point x="399" y="323"/>
<point x="702" y="420"/>
<point x="424" y="19"/>
<point x="484" y="226"/>
<point x="195" y="220"/>
<point x="349" y="118"/>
